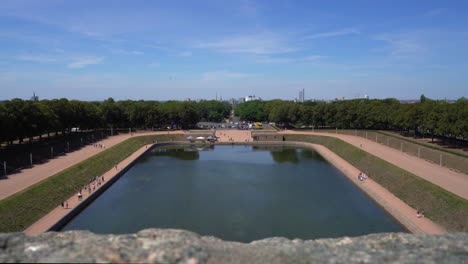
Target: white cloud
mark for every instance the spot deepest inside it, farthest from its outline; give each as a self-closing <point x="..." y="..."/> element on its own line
<point x="72" y="62"/>
<point x="257" y="44"/>
<point x="37" y="58"/>
<point x="360" y="74"/>
<point x="434" y="12"/>
<point x="436" y="66"/>
<point x="219" y="75"/>
<point x="248" y="8"/>
<point x="127" y="52"/>
<point x="342" y="32"/>
<point x="83" y="62"/>
<point x="185" y="54"/>
<point x="269" y="60"/>
<point x="400" y="45"/>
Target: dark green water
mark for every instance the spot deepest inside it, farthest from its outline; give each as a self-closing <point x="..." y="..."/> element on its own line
<point x="239" y="193"/>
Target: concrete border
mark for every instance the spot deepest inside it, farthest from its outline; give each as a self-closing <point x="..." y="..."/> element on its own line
<point x="327" y="154"/>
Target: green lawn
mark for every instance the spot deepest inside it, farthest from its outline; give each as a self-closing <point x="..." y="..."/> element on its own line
<point x="441" y="206"/>
<point x="22" y="209"/>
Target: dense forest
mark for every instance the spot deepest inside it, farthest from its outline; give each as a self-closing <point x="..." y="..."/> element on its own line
<point x="20" y="119"/>
<point x="433" y="118"/>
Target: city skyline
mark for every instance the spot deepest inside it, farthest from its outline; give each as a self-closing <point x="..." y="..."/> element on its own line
<point x="175" y="50"/>
<point x="242" y="99"/>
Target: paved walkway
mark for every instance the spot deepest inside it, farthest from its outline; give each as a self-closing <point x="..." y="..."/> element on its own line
<point x="452" y="181"/>
<point x="234" y="135"/>
<point x="28" y="177"/>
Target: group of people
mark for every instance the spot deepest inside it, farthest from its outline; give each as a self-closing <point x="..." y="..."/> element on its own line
<point x="98" y="145"/>
<point x="362" y="176"/>
<point x="226" y="135"/>
<point x="93" y="184"/>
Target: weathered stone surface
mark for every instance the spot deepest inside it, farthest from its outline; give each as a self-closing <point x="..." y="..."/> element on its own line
<point x="179" y="246"/>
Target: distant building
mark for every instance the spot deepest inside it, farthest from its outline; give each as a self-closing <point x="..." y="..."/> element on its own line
<point x="242" y="100"/>
<point x="340" y="98"/>
<point x="233" y="102"/>
<point x="301" y="95"/>
<point x="35" y="98"/>
<point x="252" y="98"/>
<point x="366" y="96"/>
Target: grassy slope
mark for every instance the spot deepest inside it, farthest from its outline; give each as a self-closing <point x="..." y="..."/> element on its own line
<point x="423" y="144"/>
<point x="440" y="205"/>
<point x="427" y="145"/>
<point x="22" y="209"/>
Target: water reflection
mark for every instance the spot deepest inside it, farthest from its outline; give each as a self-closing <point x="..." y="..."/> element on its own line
<point x="178" y="153"/>
<point x="286" y="155"/>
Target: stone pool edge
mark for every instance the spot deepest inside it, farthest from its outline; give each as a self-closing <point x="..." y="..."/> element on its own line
<point x="396" y="208"/>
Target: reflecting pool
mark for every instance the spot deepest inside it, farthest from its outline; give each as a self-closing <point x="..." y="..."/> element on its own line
<point x="239" y="193"/>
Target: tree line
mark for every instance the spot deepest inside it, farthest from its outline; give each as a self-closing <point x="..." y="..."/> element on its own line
<point x="20" y="119"/>
<point x="428" y="117"/>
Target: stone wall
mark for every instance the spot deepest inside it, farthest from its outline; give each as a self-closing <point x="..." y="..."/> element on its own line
<point x="179" y="246"/>
<point x="266" y="136"/>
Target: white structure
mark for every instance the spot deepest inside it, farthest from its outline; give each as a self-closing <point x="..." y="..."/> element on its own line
<point x="340" y="98"/>
<point x="366" y="96"/>
<point x="252" y="98"/>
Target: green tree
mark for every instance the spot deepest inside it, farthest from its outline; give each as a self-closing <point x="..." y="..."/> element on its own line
<point x="251" y="111"/>
<point x="422" y="99"/>
<point x="213" y="111"/>
<point x="188" y="114"/>
<point x="111" y="113"/>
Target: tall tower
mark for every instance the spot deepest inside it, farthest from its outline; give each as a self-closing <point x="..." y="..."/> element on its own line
<point x="35" y="98"/>
<point x="301" y="95"/>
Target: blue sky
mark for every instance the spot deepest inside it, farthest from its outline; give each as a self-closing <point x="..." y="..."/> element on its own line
<point x="160" y="50"/>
